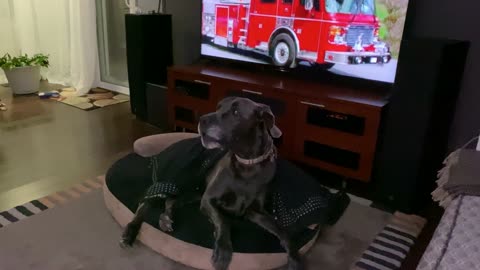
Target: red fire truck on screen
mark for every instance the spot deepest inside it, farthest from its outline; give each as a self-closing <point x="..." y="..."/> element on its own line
<point x="289" y="31"/>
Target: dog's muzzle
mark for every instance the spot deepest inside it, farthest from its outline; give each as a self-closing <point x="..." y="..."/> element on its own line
<point x="210" y="133"/>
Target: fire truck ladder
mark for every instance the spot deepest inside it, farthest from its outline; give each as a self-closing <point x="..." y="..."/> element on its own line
<point x="243" y="37"/>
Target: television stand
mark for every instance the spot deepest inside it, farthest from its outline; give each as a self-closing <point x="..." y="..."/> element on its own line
<point x="334" y="128"/>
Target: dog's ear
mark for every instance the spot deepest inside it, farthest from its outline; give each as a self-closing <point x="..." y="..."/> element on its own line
<point x="269" y="120"/>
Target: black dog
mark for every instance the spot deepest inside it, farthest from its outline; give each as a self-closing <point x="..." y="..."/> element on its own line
<point x="238" y="183"/>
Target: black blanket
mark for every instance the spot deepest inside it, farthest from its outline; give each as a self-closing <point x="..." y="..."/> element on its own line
<point x="295" y="199"/>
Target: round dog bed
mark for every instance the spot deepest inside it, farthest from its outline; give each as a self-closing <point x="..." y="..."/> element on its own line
<point x="191" y="241"/>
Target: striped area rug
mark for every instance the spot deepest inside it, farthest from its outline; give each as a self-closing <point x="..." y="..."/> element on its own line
<point x="386" y="252"/>
<point x="391" y="246"/>
<point x="36" y="206"/>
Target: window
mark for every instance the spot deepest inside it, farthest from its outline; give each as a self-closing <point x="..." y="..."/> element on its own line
<point x="269" y="1"/>
<point x="351" y="6"/>
<point x="287" y="1"/>
<point x="316" y="3"/>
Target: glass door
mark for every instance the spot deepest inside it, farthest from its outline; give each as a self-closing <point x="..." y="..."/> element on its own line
<point x="112" y="44"/>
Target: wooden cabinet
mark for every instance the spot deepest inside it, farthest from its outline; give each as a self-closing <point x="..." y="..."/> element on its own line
<point x="329" y="127"/>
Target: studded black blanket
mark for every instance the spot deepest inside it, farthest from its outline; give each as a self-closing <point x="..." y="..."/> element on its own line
<point x="295" y="199"/>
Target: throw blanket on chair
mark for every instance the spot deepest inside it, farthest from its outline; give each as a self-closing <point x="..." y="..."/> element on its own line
<point x="295" y="199"/>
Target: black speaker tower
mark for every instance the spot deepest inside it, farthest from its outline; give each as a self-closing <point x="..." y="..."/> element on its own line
<point x="149" y="53"/>
<point x="416" y="125"/>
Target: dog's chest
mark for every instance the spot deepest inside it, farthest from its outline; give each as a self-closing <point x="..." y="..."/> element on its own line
<point x="233" y="195"/>
<point x="237" y="198"/>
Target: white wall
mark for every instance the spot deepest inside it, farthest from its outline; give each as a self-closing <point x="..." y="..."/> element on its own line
<point x="148" y="5"/>
<point x="8" y="42"/>
<point x="6" y="29"/>
<point x="186" y="27"/>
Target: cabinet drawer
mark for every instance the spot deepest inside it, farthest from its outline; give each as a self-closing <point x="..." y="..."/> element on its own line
<point x="335" y="156"/>
<point x="328" y="118"/>
<point x="191" y="90"/>
<point x="184" y="117"/>
<point x="346" y="125"/>
<point x="353" y="164"/>
<point x="344" y="117"/>
<point x="336" y="136"/>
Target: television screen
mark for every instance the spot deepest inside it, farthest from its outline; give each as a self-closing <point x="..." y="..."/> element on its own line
<point x="358" y="38"/>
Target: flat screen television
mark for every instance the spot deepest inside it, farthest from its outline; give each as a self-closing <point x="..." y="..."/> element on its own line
<point x="356" y="38"/>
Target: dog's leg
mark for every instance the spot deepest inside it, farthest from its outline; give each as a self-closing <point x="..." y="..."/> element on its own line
<point x="165" y="222"/>
<point x="267" y="222"/>
<point x="131" y="231"/>
<point x="222" y="252"/>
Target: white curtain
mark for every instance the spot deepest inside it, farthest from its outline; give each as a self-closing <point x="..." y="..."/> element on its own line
<point x="63" y="29"/>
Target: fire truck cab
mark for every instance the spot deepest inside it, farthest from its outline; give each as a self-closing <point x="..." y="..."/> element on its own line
<point x="289" y="31"/>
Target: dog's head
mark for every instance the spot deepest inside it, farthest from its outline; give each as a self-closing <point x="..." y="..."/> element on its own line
<point x="237" y="124"/>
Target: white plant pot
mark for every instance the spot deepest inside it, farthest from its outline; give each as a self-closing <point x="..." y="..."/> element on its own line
<point x="24" y="80"/>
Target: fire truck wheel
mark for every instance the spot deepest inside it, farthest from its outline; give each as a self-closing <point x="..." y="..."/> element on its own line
<point x="283" y="50"/>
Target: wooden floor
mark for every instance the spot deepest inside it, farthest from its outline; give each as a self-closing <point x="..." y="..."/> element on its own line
<point x="46" y="146"/>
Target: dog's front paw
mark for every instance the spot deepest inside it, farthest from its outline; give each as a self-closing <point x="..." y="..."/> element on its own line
<point x="294" y="264"/>
<point x="125" y="244"/>
<point x="221" y="258"/>
<point x="165" y="223"/>
<point x="128" y="238"/>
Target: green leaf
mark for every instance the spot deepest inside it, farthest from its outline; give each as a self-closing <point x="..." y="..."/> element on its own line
<point x="8" y="62"/>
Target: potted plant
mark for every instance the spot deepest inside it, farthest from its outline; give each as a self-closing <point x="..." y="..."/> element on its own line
<point x="23" y="72"/>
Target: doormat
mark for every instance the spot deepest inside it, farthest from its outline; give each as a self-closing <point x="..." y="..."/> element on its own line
<point x="37" y="206"/>
<point x="72" y="229"/>
<point x="391" y="246"/>
<point x="95" y="99"/>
